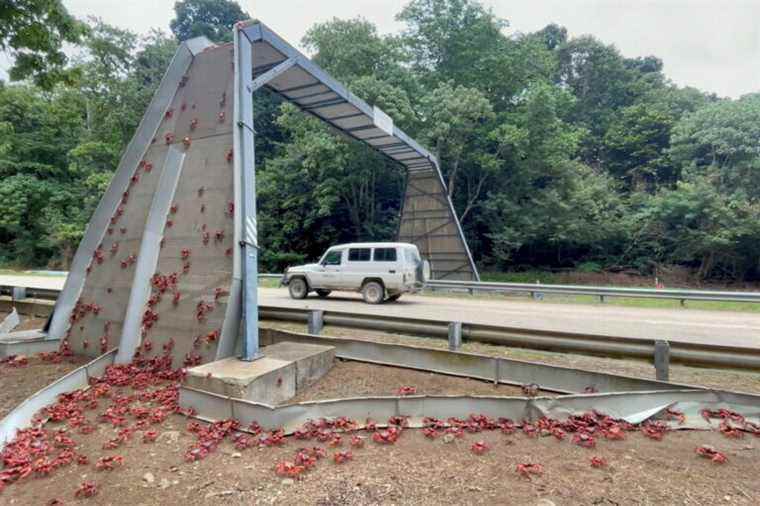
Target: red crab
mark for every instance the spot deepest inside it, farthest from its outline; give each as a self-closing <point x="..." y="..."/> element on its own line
<point x="479" y="448"/>
<point x="598" y="462"/>
<point x="406" y="390"/>
<point x="527" y="469"/>
<point x="288" y="469"/>
<point x="86" y="489"/>
<point x="387" y="437"/>
<point x="342" y="457"/>
<point x="109" y="463"/>
<point x="584" y="440"/>
<point x="711" y="453"/>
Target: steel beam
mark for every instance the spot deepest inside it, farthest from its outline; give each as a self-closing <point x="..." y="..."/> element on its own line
<point x="245" y="158"/>
<point x="273" y="73"/>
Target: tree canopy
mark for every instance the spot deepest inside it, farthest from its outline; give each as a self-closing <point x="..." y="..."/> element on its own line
<point x="559" y="152"/>
<point x="34" y="31"/>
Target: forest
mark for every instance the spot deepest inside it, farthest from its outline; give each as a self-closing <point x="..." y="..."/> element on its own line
<point x="558" y="151"/>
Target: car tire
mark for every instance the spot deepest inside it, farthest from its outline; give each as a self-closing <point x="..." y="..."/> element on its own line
<point x="394" y="298"/>
<point x="373" y="292"/>
<point x="298" y="288"/>
<point x="323" y="293"/>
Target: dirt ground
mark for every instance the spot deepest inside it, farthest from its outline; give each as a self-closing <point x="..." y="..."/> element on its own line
<point x="18" y="383"/>
<point x="737" y="380"/>
<point x="414" y="471"/>
<point x="355" y="379"/>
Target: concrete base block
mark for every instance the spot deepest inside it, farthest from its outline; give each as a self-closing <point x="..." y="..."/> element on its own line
<point x="266" y="380"/>
<point x="312" y="360"/>
<point x="285" y="369"/>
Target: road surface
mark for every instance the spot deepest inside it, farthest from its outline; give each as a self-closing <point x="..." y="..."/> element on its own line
<point x="688" y="325"/>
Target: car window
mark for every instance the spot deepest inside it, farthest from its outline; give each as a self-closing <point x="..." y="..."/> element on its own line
<point x="413" y="256"/>
<point x="385" y="254"/>
<point x="358" y="255"/>
<point x="332" y="258"/>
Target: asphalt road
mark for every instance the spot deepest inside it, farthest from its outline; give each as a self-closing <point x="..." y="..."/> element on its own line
<point x="689" y="325"/>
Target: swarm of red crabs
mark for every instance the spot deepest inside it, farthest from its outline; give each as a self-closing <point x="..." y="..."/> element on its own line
<point x="134" y="400"/>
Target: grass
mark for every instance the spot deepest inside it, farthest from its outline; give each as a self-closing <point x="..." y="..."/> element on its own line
<point x="12" y="272"/>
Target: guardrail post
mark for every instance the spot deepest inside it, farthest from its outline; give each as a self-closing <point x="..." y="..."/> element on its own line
<point x="18" y="293"/>
<point x="662" y="360"/>
<point x="601" y="299"/>
<point x="455" y="336"/>
<point x="316" y="322"/>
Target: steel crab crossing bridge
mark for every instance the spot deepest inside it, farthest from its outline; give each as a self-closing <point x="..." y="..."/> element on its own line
<point x="179" y="218"/>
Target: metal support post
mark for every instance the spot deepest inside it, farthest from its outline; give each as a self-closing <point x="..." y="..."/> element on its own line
<point x="455" y="336"/>
<point x="316" y="322"/>
<point x="246" y="157"/>
<point x="662" y="360"/>
<point x="18" y="293"/>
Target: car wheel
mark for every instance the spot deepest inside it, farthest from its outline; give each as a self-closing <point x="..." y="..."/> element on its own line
<point x="298" y="288"/>
<point x="394" y="298"/>
<point x="323" y="293"/>
<point x="373" y="292"/>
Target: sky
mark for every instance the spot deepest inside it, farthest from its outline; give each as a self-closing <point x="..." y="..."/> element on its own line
<point x="713" y="45"/>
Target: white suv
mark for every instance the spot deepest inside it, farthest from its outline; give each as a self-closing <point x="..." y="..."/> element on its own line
<point x="379" y="270"/>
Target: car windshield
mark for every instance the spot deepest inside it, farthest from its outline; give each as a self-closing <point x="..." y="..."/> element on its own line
<point x="332" y="257"/>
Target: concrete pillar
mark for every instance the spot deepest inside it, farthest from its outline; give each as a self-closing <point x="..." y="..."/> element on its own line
<point x="455" y="336"/>
<point x="662" y="360"/>
<point x="316" y="322"/>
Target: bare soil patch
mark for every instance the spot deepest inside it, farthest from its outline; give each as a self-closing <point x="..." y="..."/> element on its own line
<point x="356" y="379"/>
<point x="415" y="471"/>
<point x="19" y="382"/>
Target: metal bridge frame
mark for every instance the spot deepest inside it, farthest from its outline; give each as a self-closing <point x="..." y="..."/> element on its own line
<point x="263" y="59"/>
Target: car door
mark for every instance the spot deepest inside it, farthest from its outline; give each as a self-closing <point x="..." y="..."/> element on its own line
<point x="359" y="260"/>
<point x="330" y="270"/>
<point x="388" y="267"/>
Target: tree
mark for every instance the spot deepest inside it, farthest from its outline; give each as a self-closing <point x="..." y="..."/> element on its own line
<point x="721" y="140"/>
<point x="457" y="118"/>
<point x="696" y="224"/>
<point x="34" y="31"/>
<point x="636" y="146"/>
<point x="452" y="39"/>
<point x="546" y="205"/>
<point x="211" y="18"/>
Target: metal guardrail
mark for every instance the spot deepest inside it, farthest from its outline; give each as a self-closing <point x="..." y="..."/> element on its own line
<point x="535" y="290"/>
<point x="687" y="353"/>
<point x="731" y="357"/>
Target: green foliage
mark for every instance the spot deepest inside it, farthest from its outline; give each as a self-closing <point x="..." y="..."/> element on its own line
<point x="558" y="151"/>
<point x="211" y="18"/>
<point x="34" y="31"/>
